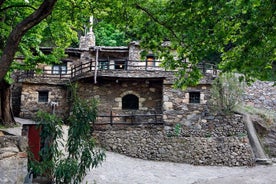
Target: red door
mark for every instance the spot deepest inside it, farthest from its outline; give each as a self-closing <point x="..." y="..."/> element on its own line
<point x="34" y="140"/>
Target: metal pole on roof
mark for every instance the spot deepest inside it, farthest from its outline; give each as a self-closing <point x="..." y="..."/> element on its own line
<point x="96" y="64"/>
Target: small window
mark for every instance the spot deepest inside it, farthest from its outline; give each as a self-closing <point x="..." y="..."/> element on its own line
<point x="150" y="60"/>
<point x="194" y="97"/>
<point x="43" y="96"/>
<point x="59" y="69"/>
<point x="130" y="102"/>
<point x="120" y="65"/>
<point x="103" y="65"/>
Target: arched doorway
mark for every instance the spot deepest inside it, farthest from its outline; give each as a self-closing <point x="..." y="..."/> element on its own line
<point x="130" y="101"/>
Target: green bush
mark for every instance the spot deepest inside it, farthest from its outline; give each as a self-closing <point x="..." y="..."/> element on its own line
<point x="226" y="93"/>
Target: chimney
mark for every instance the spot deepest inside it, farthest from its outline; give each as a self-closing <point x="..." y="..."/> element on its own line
<point x="88" y="40"/>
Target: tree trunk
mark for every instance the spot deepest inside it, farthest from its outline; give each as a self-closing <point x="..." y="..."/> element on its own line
<point x="6" y="115"/>
<point x="12" y="42"/>
<point x="19" y="31"/>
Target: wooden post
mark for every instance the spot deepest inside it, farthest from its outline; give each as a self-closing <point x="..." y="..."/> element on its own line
<point x="111" y="118"/>
<point x="96" y="64"/>
<point x="60" y="71"/>
<point x="155" y="117"/>
<point x="204" y="67"/>
<point x="71" y="71"/>
<point x="132" y="118"/>
<point x="43" y="72"/>
<point x="126" y="64"/>
<point x="108" y="63"/>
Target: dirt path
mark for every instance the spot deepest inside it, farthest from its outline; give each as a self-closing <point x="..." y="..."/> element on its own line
<point x="119" y="169"/>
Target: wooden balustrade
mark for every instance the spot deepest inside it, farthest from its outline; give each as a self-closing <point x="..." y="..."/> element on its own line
<point x="129" y="119"/>
<point x="119" y="64"/>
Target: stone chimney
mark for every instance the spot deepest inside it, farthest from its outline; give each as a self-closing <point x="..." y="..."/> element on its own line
<point x="89" y="39"/>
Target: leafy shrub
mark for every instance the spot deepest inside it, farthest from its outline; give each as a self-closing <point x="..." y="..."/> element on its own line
<point x="226" y="93"/>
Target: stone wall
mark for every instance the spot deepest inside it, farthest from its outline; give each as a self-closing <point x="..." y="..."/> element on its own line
<point x="13" y="159"/>
<point x="176" y="106"/>
<point x="110" y="93"/>
<point x="29" y="99"/>
<point x="16" y="98"/>
<point x="155" y="144"/>
<point x="261" y="95"/>
<point x="210" y="126"/>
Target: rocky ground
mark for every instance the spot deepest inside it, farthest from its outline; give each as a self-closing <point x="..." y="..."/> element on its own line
<point x="119" y="169"/>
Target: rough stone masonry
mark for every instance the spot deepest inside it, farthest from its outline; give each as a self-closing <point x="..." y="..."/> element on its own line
<point x="13" y="159"/>
<point x="205" y="146"/>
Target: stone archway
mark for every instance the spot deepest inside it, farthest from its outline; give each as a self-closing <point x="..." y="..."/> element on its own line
<point x="130" y="92"/>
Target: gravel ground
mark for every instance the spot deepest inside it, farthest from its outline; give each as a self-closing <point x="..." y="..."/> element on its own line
<point x="119" y="169"/>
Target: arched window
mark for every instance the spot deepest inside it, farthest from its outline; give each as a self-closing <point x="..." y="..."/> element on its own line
<point x="130" y="102"/>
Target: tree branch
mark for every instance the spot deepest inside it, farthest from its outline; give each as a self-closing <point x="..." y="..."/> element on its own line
<point x="17" y="6"/>
<point x="19" y="31"/>
<point x="156" y="20"/>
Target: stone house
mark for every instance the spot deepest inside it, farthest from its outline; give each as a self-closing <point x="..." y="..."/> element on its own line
<point x="129" y="88"/>
<point x="142" y="115"/>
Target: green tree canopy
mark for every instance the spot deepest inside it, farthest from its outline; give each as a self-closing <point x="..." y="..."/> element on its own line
<point x="107" y="35"/>
<point x="240" y="34"/>
<point x="59" y="29"/>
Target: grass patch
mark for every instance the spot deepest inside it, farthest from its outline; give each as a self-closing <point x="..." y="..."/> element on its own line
<point x="268" y="115"/>
<point x="13" y="126"/>
<point x="3" y="127"/>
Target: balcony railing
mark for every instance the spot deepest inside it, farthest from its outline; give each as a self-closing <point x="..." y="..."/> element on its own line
<point x="129" y="65"/>
<point x="105" y="65"/>
<point x="43" y="74"/>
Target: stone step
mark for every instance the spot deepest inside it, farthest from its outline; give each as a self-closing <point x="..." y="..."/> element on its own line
<point x="261" y="161"/>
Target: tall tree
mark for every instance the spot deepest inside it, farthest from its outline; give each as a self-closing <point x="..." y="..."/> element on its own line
<point x="27" y="25"/>
<point x="11" y="45"/>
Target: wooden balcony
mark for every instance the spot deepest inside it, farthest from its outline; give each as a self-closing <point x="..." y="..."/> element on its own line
<point x="113" y="68"/>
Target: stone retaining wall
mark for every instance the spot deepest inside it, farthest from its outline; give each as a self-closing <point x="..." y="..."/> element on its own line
<point x="154" y="144"/>
<point x="211" y="126"/>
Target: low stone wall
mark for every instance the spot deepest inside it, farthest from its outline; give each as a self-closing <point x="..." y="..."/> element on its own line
<point x="211" y="126"/>
<point x="154" y="144"/>
<point x="13" y="159"/>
